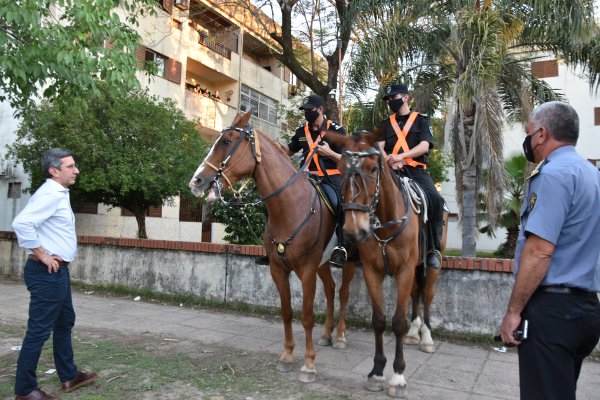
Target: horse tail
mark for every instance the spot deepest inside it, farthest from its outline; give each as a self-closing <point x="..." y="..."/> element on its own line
<point x="420" y="279"/>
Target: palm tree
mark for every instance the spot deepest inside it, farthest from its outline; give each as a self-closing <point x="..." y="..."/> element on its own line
<point x="510" y="218"/>
<point x="477" y="56"/>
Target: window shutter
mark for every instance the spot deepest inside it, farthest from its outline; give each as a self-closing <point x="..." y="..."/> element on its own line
<point x="173" y="71"/>
<point x="597" y="116"/>
<point x="140" y="55"/>
<point x="544" y="69"/>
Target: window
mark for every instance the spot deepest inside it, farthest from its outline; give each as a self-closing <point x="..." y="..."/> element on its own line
<point x="596" y="116"/>
<point x="159" y="60"/>
<point x="150" y="212"/>
<point x="85" y="207"/>
<point x="14" y="190"/>
<point x="263" y="107"/>
<point x="544" y="69"/>
<point x="189" y="211"/>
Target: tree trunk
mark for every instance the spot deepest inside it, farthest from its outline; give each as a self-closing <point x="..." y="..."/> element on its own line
<point x="512" y="235"/>
<point x="469" y="231"/>
<point x="140" y="218"/>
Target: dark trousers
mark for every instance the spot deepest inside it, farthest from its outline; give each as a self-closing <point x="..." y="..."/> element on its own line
<point x="563" y="330"/>
<point x="435" y="205"/>
<point x="335" y="181"/>
<point x="50" y="311"/>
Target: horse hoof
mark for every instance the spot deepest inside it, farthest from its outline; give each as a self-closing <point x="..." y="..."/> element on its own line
<point x="323" y="341"/>
<point x="375" y="384"/>
<point x="411" y="340"/>
<point x="427" y="348"/>
<point x="307" y="375"/>
<point x="284" y="366"/>
<point x="339" y="344"/>
<point x="399" y="392"/>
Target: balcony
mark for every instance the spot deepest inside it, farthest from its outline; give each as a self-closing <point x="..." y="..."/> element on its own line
<point x="209" y="112"/>
<point x="214" y="46"/>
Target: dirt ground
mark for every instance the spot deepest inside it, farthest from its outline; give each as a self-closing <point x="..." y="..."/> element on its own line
<point x="147" y="366"/>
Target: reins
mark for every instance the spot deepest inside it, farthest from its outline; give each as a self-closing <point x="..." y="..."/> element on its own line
<point x="280" y="246"/>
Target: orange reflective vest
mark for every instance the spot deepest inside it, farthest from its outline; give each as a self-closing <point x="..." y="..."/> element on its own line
<point x="401" y="134"/>
<point x="311" y="145"/>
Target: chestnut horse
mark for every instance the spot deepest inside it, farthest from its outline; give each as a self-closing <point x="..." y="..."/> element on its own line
<point x="381" y="218"/>
<point x="423" y="289"/>
<point x="299" y="229"/>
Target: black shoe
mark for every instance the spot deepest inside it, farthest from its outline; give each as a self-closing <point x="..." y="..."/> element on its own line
<point x="434" y="259"/>
<point x="338" y="257"/>
<point x="264" y="260"/>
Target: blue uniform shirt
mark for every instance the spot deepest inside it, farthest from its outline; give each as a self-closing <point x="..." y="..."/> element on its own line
<point x="562" y="206"/>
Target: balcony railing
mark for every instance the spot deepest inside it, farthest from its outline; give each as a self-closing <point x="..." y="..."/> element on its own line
<point x="214" y="46"/>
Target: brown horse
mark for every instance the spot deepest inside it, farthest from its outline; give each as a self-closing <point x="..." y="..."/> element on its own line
<point x="381" y="218"/>
<point x="423" y="289"/>
<point x="298" y="231"/>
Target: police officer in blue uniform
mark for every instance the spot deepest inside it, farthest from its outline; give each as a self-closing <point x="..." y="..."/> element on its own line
<point x="408" y="138"/>
<point x="310" y="138"/>
<point x="557" y="259"/>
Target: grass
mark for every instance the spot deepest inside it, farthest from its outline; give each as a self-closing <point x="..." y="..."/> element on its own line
<point x="145" y="366"/>
<point x="479" y="254"/>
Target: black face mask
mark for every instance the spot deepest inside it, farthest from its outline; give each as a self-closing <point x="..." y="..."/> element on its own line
<point x="527" y="149"/>
<point x="311" y="116"/>
<point x="395" y="104"/>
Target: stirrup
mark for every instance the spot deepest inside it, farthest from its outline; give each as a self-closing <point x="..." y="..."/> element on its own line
<point x="338" y="257"/>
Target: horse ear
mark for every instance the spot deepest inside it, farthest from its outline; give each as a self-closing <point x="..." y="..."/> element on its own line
<point x="335" y="138"/>
<point x="373" y="137"/>
<point x="244" y="119"/>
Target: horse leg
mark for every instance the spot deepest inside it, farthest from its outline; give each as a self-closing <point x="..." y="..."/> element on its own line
<point x="397" y="386"/>
<point x="427" y="344"/>
<point x="281" y="278"/>
<point x="347" y="275"/>
<point x="376" y="379"/>
<point x="308" y="373"/>
<point x="324" y="273"/>
<point x="412" y="337"/>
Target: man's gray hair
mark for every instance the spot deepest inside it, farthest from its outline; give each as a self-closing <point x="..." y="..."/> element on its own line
<point x="560" y="119"/>
<point x="53" y="159"/>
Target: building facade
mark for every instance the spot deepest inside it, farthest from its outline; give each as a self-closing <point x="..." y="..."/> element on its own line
<point x="215" y="60"/>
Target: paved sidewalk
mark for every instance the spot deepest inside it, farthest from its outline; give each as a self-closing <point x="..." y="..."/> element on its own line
<point x="453" y="372"/>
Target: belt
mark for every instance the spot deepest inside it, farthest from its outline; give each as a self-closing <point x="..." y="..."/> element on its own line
<point x="36" y="258"/>
<point x="566" y="290"/>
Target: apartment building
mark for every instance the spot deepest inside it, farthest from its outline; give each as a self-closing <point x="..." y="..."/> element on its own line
<point x="214" y="59"/>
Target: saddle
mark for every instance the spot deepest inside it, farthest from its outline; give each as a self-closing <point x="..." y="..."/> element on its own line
<point x="416" y="196"/>
<point x="328" y="193"/>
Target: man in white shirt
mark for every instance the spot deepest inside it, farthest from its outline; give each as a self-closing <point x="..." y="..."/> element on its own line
<point x="46" y="228"/>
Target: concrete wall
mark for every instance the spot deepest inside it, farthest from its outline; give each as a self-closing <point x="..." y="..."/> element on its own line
<point x="471" y="294"/>
<point x="466" y="300"/>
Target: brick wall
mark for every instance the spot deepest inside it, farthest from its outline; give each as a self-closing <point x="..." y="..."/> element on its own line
<point x="455" y="263"/>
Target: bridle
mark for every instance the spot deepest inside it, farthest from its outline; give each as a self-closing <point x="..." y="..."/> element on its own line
<point x="352" y="174"/>
<point x="357" y="177"/>
<point x="248" y="133"/>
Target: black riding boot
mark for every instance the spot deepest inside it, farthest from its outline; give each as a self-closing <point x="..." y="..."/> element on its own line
<point x="340" y="254"/>
<point x="434" y="255"/>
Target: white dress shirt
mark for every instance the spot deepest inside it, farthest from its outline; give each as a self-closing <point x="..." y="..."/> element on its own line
<point x="48" y="221"/>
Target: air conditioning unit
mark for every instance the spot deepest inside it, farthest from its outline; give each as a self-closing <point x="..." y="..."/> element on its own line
<point x="5" y="169"/>
<point x="182" y="4"/>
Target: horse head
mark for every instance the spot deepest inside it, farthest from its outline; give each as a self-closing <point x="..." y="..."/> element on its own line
<point x="231" y="158"/>
<point x="360" y="168"/>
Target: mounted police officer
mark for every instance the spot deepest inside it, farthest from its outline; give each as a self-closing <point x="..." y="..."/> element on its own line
<point x="407" y="140"/>
<point x="310" y="138"/>
<point x="557" y="259"/>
